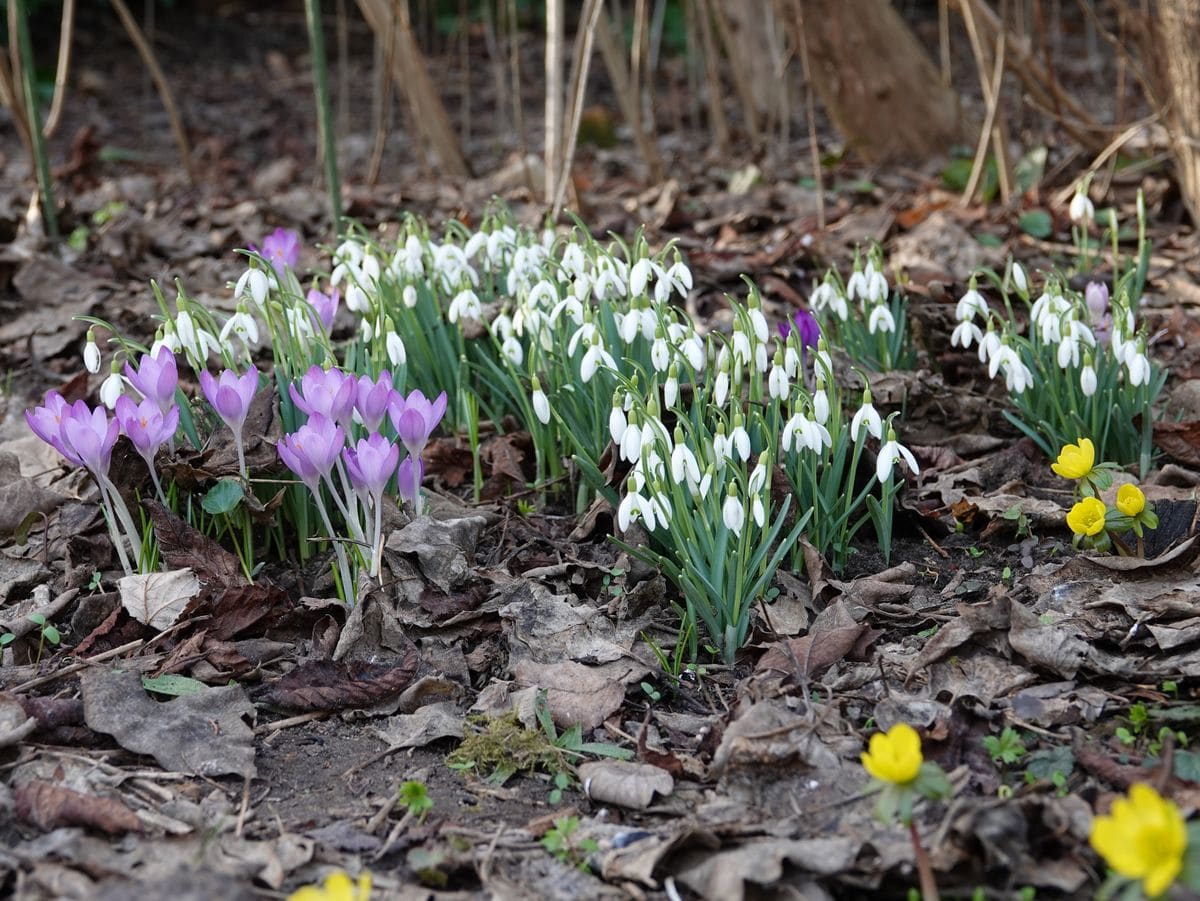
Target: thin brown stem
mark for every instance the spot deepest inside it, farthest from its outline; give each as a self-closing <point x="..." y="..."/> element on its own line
<point x="929" y="889"/>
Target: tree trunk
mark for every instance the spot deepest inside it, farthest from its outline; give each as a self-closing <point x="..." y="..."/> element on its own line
<point x="1178" y="28"/>
<point x="876" y="81"/>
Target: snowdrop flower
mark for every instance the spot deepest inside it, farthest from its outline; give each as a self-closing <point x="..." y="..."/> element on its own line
<point x="971" y="304"/>
<point x="684" y="465"/>
<point x="801" y="432"/>
<point x="370" y="268"/>
<point x="740" y="343"/>
<point x="356" y="299"/>
<point x="1087" y="377"/>
<point x="1017" y="376"/>
<point x="671" y="387"/>
<point x="722" y="447"/>
<point x="868" y="417"/>
<point x="1068" y="353"/>
<point x="822" y="361"/>
<point x="394" y="344"/>
<point x="660" y="355"/>
<point x="989" y="346"/>
<point x="732" y="512"/>
<point x="821" y="403"/>
<point x="609" y="282"/>
<point x="1051" y="329"/>
<point x="91" y="353"/>
<point x="639" y="277"/>
<point x="572" y="259"/>
<point x="1081" y="210"/>
<point x="739" y="438"/>
<point x="253" y="282"/>
<point x="721" y="388"/>
<point x="889" y="453"/>
<point x="242" y="325"/>
<point x="964" y="334"/>
<point x="112" y="387"/>
<point x="877" y="286"/>
<point x="693" y="349"/>
<point x="759" y="323"/>
<point x="679" y="277"/>
<point x="198" y="342"/>
<point x="826" y="296"/>
<point x="1019" y="279"/>
<point x="409" y="296"/>
<point x="856" y="285"/>
<point x="1137" y="364"/>
<point x="512" y="349"/>
<point x="367" y="329"/>
<point x="465" y="306"/>
<point x="881" y="320"/>
<point x="595" y="357"/>
<point x="777" y="382"/>
<point x="541" y="403"/>
<point x="634" y="506"/>
<point x="631" y="442"/>
<point x="475" y="243"/>
<point x="616" y="421"/>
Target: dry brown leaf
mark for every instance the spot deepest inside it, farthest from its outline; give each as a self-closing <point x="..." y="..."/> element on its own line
<point x="158" y="600"/>
<point x="624" y="783"/>
<point x="49" y="806"/>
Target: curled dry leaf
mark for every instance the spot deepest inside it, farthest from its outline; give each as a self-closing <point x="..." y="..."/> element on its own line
<point x="339" y="685"/>
<point x="624" y="783"/>
<point x="183" y="546"/>
<point x="158" y="599"/>
<point x="49" y="806"/>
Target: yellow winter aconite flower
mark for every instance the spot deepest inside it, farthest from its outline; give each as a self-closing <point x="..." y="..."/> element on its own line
<point x="1130" y="500"/>
<point x="338" y="887"/>
<point x="1143" y="837"/>
<point x="895" y="756"/>
<point x="1076" y="460"/>
<point x="1087" y="517"/>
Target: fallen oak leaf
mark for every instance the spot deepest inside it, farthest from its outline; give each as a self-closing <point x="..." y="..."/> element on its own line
<point x="49" y="806"/>
<point x="339" y="685"/>
<point x="182" y="547"/>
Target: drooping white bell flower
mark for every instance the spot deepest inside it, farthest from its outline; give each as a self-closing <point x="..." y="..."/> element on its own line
<point x="889" y="453"/>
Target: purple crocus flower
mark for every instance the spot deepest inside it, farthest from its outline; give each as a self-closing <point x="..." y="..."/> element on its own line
<point x="156" y="378"/>
<point x="231" y="395"/>
<point x="408" y="480"/>
<point x="371" y="463"/>
<point x="372" y="399"/>
<point x="327" y="392"/>
<point x="810" y="330"/>
<point x="312" y="449"/>
<point x="145" y="425"/>
<point x="282" y="248"/>
<point x="148" y="429"/>
<point x="325" y="306"/>
<point x="87" y="437"/>
<point x="46" y="420"/>
<point x="415" y="418"/>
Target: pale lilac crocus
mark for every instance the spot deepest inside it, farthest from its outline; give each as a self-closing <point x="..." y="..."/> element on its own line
<point x="324" y="306"/>
<point x="372" y="397"/>
<point x="85" y="437"/>
<point x="325" y="392"/>
<point x="371" y="464"/>
<point x="1096" y="297"/>
<point x="282" y="248"/>
<point x="312" y="449"/>
<point x="310" y="453"/>
<point x="148" y="429"/>
<point x="409" y="475"/>
<point x="156" y="378"/>
<point x="231" y="395"/>
<point x="415" y="417"/>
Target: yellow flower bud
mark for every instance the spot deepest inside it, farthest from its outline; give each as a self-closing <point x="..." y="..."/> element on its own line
<point x="1076" y="460"/>
<point x="896" y="756"/>
<point x="1143" y="837"/>
<point x="1130" y="500"/>
<point x="1087" y="517"/>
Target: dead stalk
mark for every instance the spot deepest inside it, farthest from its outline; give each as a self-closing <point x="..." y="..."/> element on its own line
<point x="991" y="93"/>
<point x="146" y="52"/>
<point x="929" y="889"/>
<point x="716" y="111"/>
<point x="552" y="131"/>
<point x="64" y="67"/>
<point x="579" y="76"/>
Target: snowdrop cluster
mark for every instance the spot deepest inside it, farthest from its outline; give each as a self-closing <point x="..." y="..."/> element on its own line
<point x="1078" y="367"/>
<point x="863" y="316"/>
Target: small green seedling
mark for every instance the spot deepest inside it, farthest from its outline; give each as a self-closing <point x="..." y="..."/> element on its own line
<point x="46" y="634"/>
<point x="414" y="797"/>
<point x="560" y="842"/>
<point x="1007" y="748"/>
